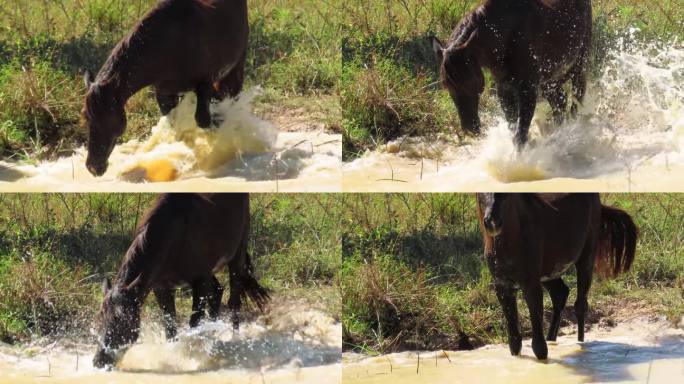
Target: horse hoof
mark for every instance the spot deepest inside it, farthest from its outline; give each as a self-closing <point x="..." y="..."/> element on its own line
<point x="515" y="347"/>
<point x="203" y="122"/>
<point x="541" y="351"/>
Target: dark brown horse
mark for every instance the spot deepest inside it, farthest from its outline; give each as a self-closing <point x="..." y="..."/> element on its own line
<point x="532" y="239"/>
<point x="528" y="46"/>
<point x="178" y="46"/>
<point x="184" y="239"/>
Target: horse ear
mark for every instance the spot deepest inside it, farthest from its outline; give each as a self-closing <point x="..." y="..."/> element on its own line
<point x="438" y="48"/>
<point x="88" y="78"/>
<point x="106" y="285"/>
<point x="549" y="3"/>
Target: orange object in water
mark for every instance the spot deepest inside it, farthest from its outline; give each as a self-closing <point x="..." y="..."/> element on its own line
<point x="161" y="170"/>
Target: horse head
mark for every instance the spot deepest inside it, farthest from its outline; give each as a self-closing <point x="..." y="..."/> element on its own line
<point x="120" y="318"/>
<point x="105" y="120"/>
<point x="462" y="76"/>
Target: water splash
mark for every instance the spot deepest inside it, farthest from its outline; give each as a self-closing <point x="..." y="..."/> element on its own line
<point x="292" y="342"/>
<point x="179" y="140"/>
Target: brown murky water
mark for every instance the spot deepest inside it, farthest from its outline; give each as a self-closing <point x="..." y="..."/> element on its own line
<point x="629" y="136"/>
<point x="638" y="352"/>
<point x="245" y="153"/>
<point x="294" y="344"/>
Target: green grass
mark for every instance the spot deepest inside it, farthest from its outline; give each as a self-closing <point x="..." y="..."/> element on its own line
<point x="413" y="275"/>
<point x="56" y="249"/>
<point x="390" y="84"/>
<point x="45" y="46"/>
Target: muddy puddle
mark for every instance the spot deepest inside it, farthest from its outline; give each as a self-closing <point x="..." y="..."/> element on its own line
<point x="242" y="153"/>
<point x="629" y="136"/>
<point x="637" y="352"/>
<point x="291" y="344"/>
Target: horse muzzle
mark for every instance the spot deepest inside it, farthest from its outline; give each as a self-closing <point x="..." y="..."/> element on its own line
<point x="98" y="169"/>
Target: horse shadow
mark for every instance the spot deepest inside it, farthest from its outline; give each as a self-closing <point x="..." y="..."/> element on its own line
<point x="449" y="255"/>
<point x="10" y="174"/>
<point x="604" y="361"/>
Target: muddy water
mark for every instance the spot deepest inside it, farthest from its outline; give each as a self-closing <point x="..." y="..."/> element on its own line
<point x="243" y="153"/>
<point x="293" y="344"/>
<point x="629" y="136"/>
<point x="639" y="352"/>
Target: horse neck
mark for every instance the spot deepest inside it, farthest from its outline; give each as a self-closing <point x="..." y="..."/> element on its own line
<point x="119" y="76"/>
<point x="133" y="271"/>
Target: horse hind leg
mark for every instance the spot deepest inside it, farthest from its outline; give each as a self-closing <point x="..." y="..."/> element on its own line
<point x="232" y="82"/>
<point x="579" y="85"/>
<point x="528" y="103"/>
<point x="243" y="285"/>
<point x="585" y="269"/>
<point x="166" y="301"/>
<point x="166" y="102"/>
<point x="558" y="99"/>
<point x="505" y="293"/>
<point x="559" y="296"/>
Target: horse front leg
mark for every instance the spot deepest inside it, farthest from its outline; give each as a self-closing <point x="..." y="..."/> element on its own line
<point x="200" y="293"/>
<point x="508" y="98"/>
<point x="214" y="298"/>
<point x="535" y="303"/>
<point x="528" y="102"/>
<point x="203" y="113"/>
<point x="506" y="295"/>
<point x="167" y="303"/>
<point x="559" y="296"/>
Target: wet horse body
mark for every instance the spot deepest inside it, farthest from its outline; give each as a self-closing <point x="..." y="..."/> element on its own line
<point x="529" y="46"/>
<point x="178" y="46"/>
<point x="183" y="240"/>
<point x="531" y="240"/>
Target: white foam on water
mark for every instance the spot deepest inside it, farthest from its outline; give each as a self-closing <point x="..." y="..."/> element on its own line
<point x="630" y="125"/>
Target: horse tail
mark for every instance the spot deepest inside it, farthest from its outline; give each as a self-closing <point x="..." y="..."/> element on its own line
<point x="251" y="287"/>
<point x="617" y="242"/>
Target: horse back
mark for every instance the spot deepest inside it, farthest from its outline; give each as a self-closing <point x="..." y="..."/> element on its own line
<point x="179" y="43"/>
<point x="543" y="236"/>
<point x="188" y="236"/>
<point x="566" y="228"/>
<point x="559" y="36"/>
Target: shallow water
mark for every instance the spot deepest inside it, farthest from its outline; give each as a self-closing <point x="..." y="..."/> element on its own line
<point x="634" y="353"/>
<point x="629" y="136"/>
<point x="292" y="344"/>
<point x="244" y="153"/>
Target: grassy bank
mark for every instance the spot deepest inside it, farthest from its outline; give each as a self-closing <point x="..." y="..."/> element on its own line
<point x="389" y="86"/>
<point x="56" y="249"/>
<point x="413" y="275"/>
<point x="45" y="46"/>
